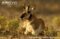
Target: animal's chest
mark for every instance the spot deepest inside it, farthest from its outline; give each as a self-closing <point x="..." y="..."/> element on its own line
<point x="26" y="23"/>
<point x="35" y="24"/>
<point x="28" y="26"/>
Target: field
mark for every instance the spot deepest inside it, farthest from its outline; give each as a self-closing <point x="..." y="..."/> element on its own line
<point x="49" y="11"/>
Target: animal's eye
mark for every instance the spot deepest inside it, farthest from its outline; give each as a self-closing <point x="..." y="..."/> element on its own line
<point x="28" y="11"/>
<point x="30" y="17"/>
<point x="23" y="15"/>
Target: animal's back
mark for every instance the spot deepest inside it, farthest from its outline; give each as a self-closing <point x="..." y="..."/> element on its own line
<point x="37" y="23"/>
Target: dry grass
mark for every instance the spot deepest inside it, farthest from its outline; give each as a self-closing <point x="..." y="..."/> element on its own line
<point x="10" y="16"/>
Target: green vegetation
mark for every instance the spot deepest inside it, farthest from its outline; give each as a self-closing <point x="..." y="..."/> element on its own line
<point x="3" y="22"/>
<point x="13" y="25"/>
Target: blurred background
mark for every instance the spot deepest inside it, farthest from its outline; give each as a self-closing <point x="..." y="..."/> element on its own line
<point x="48" y="10"/>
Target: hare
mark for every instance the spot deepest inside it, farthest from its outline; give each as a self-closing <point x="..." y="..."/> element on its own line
<point x="32" y="24"/>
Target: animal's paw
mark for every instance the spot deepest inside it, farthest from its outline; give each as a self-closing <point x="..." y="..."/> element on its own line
<point x="25" y="33"/>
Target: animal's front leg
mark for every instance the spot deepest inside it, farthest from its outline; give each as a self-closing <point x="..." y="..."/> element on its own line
<point x="26" y="32"/>
<point x="33" y="32"/>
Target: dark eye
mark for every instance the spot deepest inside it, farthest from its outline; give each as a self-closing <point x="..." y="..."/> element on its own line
<point x="29" y="12"/>
<point x="23" y="15"/>
<point x="30" y="17"/>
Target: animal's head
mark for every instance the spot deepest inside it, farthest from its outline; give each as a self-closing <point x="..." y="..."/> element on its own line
<point x="27" y="17"/>
<point x="27" y="14"/>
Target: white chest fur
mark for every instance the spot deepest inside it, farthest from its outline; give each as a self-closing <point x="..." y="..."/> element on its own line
<point x="27" y="24"/>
